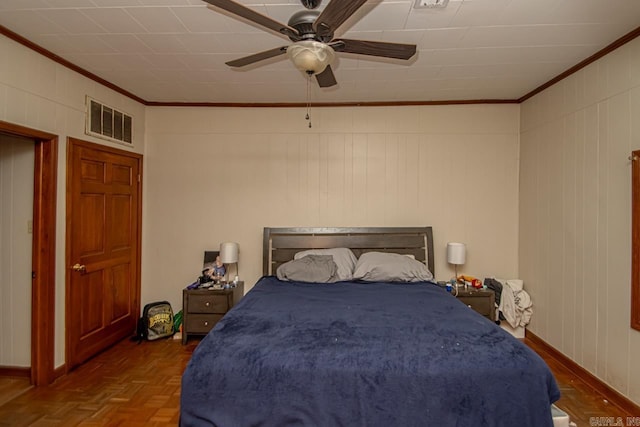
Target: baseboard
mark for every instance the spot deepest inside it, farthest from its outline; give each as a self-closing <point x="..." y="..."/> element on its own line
<point x="15" y="371"/>
<point x="613" y="396"/>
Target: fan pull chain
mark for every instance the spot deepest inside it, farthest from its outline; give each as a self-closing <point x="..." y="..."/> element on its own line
<point x="308" y="116"/>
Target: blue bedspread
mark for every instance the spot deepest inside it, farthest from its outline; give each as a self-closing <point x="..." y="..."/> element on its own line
<point x="362" y="354"/>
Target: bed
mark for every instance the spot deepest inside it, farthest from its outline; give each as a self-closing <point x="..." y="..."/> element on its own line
<point x="360" y="353"/>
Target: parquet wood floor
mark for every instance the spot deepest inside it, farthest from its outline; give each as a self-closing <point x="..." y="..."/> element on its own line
<point x="11" y="387"/>
<point x="139" y="385"/>
<point x="585" y="406"/>
<point x="127" y="385"/>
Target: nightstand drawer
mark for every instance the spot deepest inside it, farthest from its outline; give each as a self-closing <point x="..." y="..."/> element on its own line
<point x="481" y="305"/>
<point x="208" y="304"/>
<point x="203" y="308"/>
<point x="202" y="323"/>
<point x="481" y="301"/>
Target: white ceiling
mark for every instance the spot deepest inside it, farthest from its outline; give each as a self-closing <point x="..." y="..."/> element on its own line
<point x="175" y="50"/>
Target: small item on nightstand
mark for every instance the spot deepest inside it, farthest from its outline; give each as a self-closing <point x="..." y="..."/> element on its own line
<point x="470" y="281"/>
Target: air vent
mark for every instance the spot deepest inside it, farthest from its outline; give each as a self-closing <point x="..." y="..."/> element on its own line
<point x="430" y="4"/>
<point x="108" y="123"/>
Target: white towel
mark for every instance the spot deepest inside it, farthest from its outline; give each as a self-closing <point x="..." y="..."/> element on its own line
<point x="515" y="303"/>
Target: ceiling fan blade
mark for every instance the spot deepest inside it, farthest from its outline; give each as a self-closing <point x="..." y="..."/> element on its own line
<point x="373" y="48"/>
<point x="250" y="14"/>
<point x="326" y="78"/>
<point x="334" y="15"/>
<point x="241" y="62"/>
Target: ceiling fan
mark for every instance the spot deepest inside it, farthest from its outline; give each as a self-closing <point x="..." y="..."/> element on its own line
<point x="311" y="32"/>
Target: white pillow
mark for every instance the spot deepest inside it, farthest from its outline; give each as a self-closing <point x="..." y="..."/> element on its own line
<point x="390" y="267"/>
<point x="343" y="257"/>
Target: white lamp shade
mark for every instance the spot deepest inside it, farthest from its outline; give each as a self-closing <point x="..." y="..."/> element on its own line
<point x="229" y="252"/>
<point x="456" y="253"/>
<point x="310" y="56"/>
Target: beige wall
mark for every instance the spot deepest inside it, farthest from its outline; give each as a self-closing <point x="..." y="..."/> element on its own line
<point x="38" y="93"/>
<point x="16" y="213"/>
<point x="575" y="215"/>
<point x="222" y="174"/>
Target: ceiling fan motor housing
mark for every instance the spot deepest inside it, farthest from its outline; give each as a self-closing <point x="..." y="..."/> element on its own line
<point x="311" y="4"/>
<point x="303" y="22"/>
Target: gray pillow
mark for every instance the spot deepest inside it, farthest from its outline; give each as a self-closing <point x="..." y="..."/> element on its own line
<point x="343" y="257"/>
<point x="390" y="267"/>
<point x="311" y="268"/>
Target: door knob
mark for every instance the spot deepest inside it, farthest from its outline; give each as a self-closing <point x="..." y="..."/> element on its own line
<point x="79" y="267"/>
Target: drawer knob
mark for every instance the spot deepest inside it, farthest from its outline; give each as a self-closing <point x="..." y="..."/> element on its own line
<point x="469" y="306"/>
<point x="207" y="303"/>
<point x="206" y="323"/>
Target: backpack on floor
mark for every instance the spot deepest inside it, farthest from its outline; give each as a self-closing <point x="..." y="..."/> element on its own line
<point x="156" y="322"/>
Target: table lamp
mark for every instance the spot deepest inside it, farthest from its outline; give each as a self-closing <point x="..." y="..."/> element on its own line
<point x="229" y="254"/>
<point x="456" y="255"/>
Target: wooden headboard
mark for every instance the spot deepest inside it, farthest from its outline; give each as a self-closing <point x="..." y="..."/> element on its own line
<point x="281" y="244"/>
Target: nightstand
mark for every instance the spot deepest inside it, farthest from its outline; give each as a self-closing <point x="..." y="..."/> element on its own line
<point x="480" y="300"/>
<point x="202" y="308"/>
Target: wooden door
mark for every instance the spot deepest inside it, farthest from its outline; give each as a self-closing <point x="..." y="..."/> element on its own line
<point x="103" y="248"/>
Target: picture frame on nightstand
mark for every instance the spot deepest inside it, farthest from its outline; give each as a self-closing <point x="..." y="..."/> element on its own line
<point x="211" y="265"/>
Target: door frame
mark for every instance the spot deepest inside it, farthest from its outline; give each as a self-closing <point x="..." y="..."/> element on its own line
<point x="71" y="143"/>
<point x="43" y="285"/>
<point x="635" y="239"/>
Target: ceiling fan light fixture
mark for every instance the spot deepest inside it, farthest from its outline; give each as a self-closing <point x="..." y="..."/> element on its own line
<point x="310" y="56"/>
